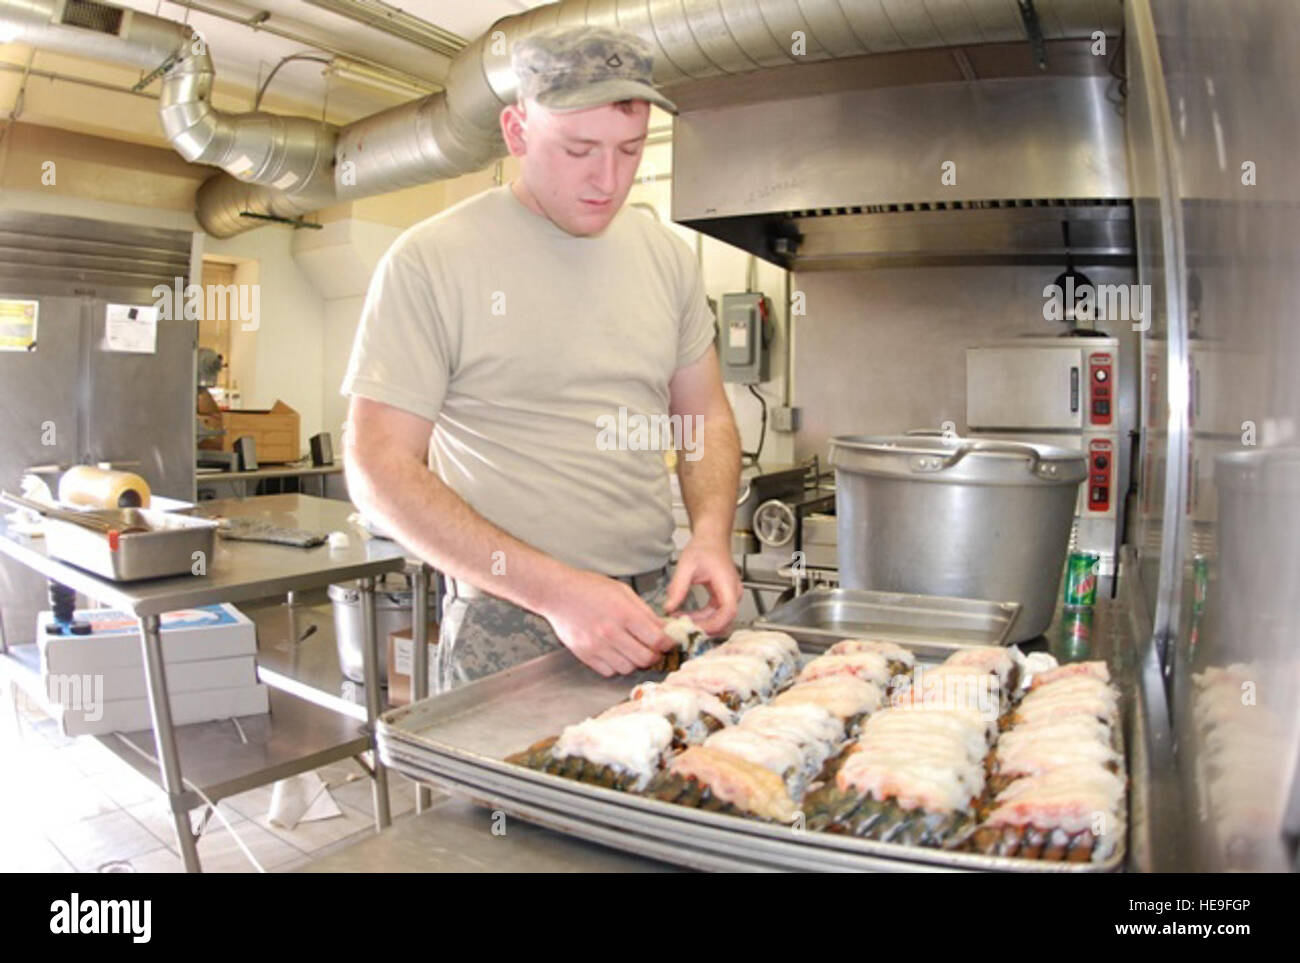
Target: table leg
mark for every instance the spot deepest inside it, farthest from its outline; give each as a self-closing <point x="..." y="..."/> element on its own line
<point x="169" y="760"/>
<point x="14" y="724"/>
<point x="420" y="658"/>
<point x="370" y="666"/>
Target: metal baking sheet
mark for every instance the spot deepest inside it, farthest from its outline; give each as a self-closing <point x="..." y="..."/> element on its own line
<point x="696" y="835"/>
<point x="459" y="739"/>
<point x="721" y="846"/>
<point x="168" y="548"/>
<point x="931" y="625"/>
<point x="565" y="822"/>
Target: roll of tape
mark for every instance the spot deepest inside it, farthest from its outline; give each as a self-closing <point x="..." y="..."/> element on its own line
<point x="88" y="487"/>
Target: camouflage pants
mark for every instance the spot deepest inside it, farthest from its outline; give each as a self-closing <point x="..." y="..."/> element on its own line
<point x="483" y="634"/>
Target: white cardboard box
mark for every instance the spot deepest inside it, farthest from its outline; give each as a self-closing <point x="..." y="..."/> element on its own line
<point x="131" y="715"/>
<point x="128" y="682"/>
<point x="188" y="635"/>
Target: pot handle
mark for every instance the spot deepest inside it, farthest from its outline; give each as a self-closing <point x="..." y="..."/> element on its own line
<point x="933" y="462"/>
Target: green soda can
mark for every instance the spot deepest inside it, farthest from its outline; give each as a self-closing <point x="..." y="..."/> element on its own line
<point x="1081" y="578"/>
<point x="1200" y="583"/>
<point x="1076" y="634"/>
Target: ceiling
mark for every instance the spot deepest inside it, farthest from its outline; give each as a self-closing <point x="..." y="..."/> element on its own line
<point x="244" y="55"/>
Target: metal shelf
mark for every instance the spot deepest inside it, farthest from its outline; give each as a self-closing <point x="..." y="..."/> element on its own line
<point x="296" y="736"/>
<point x="297" y="652"/>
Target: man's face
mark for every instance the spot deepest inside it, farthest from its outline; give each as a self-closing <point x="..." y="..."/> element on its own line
<point x="578" y="166"/>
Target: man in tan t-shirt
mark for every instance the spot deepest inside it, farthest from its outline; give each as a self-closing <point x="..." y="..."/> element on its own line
<point x="523" y="362"/>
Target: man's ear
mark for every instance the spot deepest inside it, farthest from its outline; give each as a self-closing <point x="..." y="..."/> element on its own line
<point x="514" y="129"/>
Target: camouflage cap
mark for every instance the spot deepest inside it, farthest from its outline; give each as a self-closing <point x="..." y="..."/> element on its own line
<point x="574" y="68"/>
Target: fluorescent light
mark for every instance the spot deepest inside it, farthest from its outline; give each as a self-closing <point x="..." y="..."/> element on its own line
<point x="399" y="23"/>
<point x="359" y="73"/>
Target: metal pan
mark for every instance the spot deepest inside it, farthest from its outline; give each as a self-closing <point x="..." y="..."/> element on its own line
<point x="932" y="626"/>
<point x="695" y="831"/>
<point x="168" y="546"/>
<point x="459" y="739"/>
<point x="723" y="845"/>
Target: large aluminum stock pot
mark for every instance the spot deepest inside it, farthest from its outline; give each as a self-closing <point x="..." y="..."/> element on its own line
<point x="957" y="517"/>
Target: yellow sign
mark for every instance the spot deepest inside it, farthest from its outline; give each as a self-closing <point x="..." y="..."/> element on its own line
<point x="18" y="325"/>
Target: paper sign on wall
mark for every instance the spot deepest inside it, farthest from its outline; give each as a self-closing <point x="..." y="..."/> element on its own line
<point x="131" y="327"/>
<point x="18" y="325"/>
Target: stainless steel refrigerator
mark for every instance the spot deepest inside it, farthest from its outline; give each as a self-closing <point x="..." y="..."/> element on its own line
<point x="82" y="392"/>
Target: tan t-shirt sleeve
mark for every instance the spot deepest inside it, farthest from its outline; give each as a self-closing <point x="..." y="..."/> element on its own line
<point x="401" y="355"/>
<point x="695" y="331"/>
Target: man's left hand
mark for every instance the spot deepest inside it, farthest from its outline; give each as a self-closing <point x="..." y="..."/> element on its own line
<point x="708" y="564"/>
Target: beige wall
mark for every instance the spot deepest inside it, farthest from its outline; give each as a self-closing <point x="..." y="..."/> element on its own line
<point x="62" y="163"/>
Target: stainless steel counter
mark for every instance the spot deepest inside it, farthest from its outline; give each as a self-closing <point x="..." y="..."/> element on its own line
<point x="456" y="836"/>
<point x="238" y="570"/>
<point x="240" y="479"/>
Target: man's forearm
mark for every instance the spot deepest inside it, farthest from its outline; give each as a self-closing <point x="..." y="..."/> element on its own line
<point x="710" y="480"/>
<point x="428" y="518"/>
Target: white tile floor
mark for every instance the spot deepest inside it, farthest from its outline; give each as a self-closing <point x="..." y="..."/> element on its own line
<point x="71" y="805"/>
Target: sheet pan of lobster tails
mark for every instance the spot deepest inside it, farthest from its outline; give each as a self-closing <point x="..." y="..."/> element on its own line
<point x="753" y="751"/>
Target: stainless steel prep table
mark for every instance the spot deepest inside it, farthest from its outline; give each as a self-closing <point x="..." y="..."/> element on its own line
<point x="238" y="572"/>
<point x="240" y="479"/>
<point x="456" y="836"/>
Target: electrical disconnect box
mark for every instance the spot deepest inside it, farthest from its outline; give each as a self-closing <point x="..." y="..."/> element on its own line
<point x="745" y="337"/>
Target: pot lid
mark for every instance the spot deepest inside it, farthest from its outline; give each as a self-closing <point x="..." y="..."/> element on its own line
<point x="1260" y="471"/>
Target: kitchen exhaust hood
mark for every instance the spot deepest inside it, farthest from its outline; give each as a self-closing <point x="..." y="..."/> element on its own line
<point x="873" y="162"/>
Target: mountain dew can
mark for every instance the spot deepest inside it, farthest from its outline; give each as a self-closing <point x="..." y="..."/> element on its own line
<point x="1081" y="578"/>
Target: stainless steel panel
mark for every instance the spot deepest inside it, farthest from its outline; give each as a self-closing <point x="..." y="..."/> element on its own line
<point x="59" y="255"/>
<point x="1161" y="255"/>
<point x="956" y="232"/>
<point x="1230" y="385"/>
<point x="139" y="408"/>
<point x="1013" y="387"/>
<point x="38" y="394"/>
<point x="819" y="539"/>
<point x="1052" y="137"/>
<point x="120" y="408"/>
<point x="932" y="626"/>
<point x="1213" y="85"/>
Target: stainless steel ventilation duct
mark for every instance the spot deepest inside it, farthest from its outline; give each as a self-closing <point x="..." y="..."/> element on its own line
<point x="282" y="165"/>
<point x="290" y="155"/>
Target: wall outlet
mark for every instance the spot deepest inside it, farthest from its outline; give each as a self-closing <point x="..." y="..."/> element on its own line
<point x="785" y="418"/>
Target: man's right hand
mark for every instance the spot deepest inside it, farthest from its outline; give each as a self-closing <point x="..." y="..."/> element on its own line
<point x="606" y="624"/>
